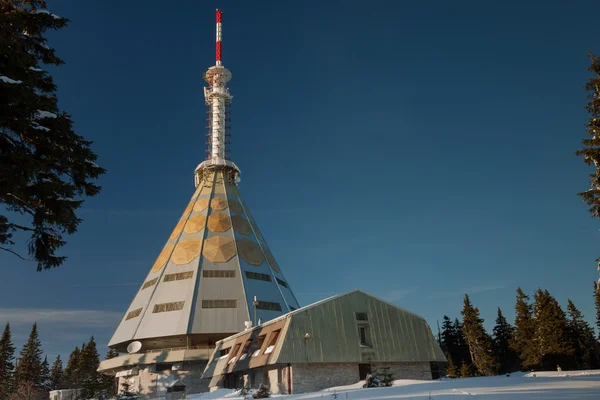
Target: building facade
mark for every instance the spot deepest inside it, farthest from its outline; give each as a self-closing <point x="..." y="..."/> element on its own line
<point x="333" y="342"/>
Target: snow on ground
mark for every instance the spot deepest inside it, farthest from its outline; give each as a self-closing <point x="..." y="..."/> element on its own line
<point x="565" y="385"/>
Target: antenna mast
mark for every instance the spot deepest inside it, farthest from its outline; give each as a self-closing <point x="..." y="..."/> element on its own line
<point x="217" y="99"/>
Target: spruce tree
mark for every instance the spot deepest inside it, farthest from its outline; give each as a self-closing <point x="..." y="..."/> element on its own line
<point x="46" y="168"/>
<point x="452" y="369"/>
<point x="71" y="374"/>
<point x="448" y="338"/>
<point x="505" y="356"/>
<point x="597" y="305"/>
<point x="582" y="338"/>
<point x="462" y="347"/>
<point x="522" y="340"/>
<point x="56" y="374"/>
<point x="465" y="370"/>
<point x="109" y="383"/>
<point x="480" y="344"/>
<point x="7" y="356"/>
<point x="90" y="378"/>
<point x="45" y="380"/>
<point x="30" y="360"/>
<point x="551" y="339"/>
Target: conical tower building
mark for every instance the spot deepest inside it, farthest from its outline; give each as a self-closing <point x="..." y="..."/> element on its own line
<point x="215" y="275"/>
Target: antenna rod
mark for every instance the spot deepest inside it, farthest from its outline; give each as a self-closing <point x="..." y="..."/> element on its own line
<point x="219" y="36"/>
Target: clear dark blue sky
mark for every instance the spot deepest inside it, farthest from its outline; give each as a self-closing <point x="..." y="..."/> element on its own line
<point x="416" y="151"/>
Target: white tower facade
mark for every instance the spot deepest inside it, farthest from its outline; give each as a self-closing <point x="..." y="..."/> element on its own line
<point x="215" y="263"/>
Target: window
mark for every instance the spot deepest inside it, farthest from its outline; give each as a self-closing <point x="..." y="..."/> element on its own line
<point x="219" y="303"/>
<point x="217" y="273"/>
<point x="133" y="314"/>
<point x="151" y="282"/>
<point x="224" y="352"/>
<point x="363" y="335"/>
<point x="258" y="345"/>
<point x="167" y="307"/>
<point x="233" y="354"/>
<point x="178" y="276"/>
<point x="272" y="341"/>
<point x="362" y="316"/>
<point x="268" y="305"/>
<point x="246" y="349"/>
<point x="282" y="283"/>
<point x="163" y="367"/>
<point x="292" y="308"/>
<point x="256" y="275"/>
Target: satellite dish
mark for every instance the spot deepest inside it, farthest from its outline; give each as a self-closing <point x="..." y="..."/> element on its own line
<point x="134" y="347"/>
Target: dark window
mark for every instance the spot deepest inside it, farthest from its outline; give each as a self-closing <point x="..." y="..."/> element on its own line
<point x="233" y="353"/>
<point x="363" y="335"/>
<point x="219" y="303"/>
<point x="224" y="352"/>
<point x="258" y="345"/>
<point x="246" y="348"/>
<point x="256" y="275"/>
<point x="282" y="283"/>
<point x="167" y="307"/>
<point x="292" y="308"/>
<point x="268" y="305"/>
<point x="151" y="282"/>
<point x="178" y="276"/>
<point x="133" y="314"/>
<point x="217" y="273"/>
<point x="362" y="316"/>
<point x="163" y="367"/>
<point x="272" y="341"/>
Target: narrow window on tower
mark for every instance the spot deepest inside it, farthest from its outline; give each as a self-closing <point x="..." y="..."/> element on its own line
<point x="258" y="276"/>
<point x="168" y="307"/>
<point x="219" y="303"/>
<point x="133" y="314"/>
<point x="151" y="282"/>
<point x="268" y="305"/>
<point x="282" y="283"/>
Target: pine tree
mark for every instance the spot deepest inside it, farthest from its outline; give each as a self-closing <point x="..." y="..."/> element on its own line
<point x="56" y="374"/>
<point x="522" y="342"/>
<point x="465" y="370"/>
<point x="597" y="304"/>
<point x="109" y="384"/>
<point x="452" y="369"/>
<point x="506" y="358"/>
<point x="125" y="393"/>
<point x="71" y="374"/>
<point x="45" y="164"/>
<point x="551" y="340"/>
<point x="7" y="356"/>
<point x="582" y="338"/>
<point x="45" y="374"/>
<point x="462" y="347"/>
<point x="480" y="344"/>
<point x="88" y="366"/>
<point x="30" y="360"/>
<point x="448" y="338"/>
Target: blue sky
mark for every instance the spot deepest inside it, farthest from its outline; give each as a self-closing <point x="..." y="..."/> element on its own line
<point x="417" y="151"/>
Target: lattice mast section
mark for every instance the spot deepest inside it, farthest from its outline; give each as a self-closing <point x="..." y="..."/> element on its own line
<point x="218" y="100"/>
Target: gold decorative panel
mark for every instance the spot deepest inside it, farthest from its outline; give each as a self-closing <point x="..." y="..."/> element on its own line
<point x="271" y="260"/>
<point x="178" y="229"/>
<point x="195" y="223"/>
<point x="235" y="205"/>
<point x="218" y="203"/>
<point x="218" y="222"/>
<point x="250" y="252"/>
<point x="201" y="204"/>
<point x="162" y="258"/>
<point x="241" y="225"/>
<point x="186" y="251"/>
<point x="218" y="249"/>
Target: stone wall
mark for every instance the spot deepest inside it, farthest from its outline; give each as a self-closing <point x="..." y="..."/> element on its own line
<point x="406" y="370"/>
<point x="317" y="376"/>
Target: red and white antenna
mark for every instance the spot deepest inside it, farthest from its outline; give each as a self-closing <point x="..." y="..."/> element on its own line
<point x="219" y="36"/>
<point x="217" y="99"/>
